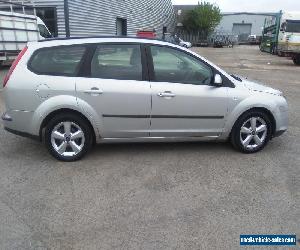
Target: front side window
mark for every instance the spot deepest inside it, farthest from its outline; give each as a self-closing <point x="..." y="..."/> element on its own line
<point x="57" y="61"/>
<point x="171" y="65"/>
<point x="117" y="61"/>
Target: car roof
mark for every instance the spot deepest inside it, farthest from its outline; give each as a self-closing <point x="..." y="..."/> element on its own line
<point x="101" y="39"/>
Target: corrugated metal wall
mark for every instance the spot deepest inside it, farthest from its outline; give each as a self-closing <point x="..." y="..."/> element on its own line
<point x="98" y="17"/>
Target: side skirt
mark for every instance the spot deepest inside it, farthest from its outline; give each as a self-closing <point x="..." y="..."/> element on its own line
<point x="158" y="139"/>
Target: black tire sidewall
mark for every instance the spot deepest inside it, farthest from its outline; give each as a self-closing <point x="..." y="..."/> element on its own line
<point x="296" y="60"/>
<point x="235" y="135"/>
<point x="70" y="118"/>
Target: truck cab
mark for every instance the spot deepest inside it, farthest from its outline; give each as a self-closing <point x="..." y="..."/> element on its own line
<point x="289" y="36"/>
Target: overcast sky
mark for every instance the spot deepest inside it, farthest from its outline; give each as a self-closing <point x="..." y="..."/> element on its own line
<point x="250" y="5"/>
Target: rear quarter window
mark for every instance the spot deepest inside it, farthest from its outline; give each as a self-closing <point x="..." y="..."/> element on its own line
<point x="64" y="60"/>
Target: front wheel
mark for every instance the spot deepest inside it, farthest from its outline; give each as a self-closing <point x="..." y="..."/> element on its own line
<point x="68" y="137"/>
<point x="251" y="132"/>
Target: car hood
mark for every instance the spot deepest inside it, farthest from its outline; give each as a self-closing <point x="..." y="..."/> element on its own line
<point x="259" y="87"/>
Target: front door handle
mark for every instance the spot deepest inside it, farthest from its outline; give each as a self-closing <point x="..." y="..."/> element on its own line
<point x="94" y="91"/>
<point x="167" y="94"/>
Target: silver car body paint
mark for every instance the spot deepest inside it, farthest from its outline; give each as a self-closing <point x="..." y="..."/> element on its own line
<point x="30" y="98"/>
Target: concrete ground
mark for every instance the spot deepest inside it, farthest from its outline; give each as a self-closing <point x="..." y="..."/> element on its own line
<point x="157" y="196"/>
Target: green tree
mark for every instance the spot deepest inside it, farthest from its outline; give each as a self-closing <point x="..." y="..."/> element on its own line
<point x="203" y="19"/>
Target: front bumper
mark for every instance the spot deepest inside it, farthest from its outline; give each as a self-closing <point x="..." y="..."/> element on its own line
<point x="281" y="116"/>
<point x="279" y="133"/>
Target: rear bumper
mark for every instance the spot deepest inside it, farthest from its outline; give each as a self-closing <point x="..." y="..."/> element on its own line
<point x="23" y="134"/>
<point x="6" y="117"/>
<point x="19" y="122"/>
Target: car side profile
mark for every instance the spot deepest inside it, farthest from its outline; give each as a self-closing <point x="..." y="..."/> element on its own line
<point x="73" y="93"/>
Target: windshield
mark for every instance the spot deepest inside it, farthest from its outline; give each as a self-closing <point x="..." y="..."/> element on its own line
<point x="293" y="26"/>
<point x="44" y="31"/>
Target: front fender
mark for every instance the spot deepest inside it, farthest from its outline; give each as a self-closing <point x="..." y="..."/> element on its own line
<point x="245" y="105"/>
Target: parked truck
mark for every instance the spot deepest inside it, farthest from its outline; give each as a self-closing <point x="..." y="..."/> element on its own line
<point x="281" y="35"/>
<point x="17" y="27"/>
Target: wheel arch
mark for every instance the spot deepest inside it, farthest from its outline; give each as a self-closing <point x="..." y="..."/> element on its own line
<point x="260" y="109"/>
<point x="64" y="111"/>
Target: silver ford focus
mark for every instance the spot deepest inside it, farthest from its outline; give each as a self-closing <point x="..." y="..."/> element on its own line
<point x="73" y="93"/>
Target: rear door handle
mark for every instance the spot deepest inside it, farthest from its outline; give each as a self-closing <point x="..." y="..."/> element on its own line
<point x="94" y="91"/>
<point x="166" y="94"/>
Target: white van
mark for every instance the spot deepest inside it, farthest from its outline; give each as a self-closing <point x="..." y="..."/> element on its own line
<point x="16" y="30"/>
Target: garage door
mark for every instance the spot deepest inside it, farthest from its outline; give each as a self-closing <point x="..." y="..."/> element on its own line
<point x="243" y="30"/>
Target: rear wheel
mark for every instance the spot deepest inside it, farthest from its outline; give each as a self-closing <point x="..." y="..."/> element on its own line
<point x="68" y="137"/>
<point x="296" y="60"/>
<point x="251" y="132"/>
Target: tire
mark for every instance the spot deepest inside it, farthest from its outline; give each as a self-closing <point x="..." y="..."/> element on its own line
<point x="68" y="146"/>
<point x="280" y="54"/>
<point x="296" y="60"/>
<point x="245" y="138"/>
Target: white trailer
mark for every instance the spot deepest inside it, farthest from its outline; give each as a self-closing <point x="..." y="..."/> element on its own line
<point x="16" y="29"/>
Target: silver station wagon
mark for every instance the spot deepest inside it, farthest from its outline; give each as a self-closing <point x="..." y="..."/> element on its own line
<point x="73" y="93"/>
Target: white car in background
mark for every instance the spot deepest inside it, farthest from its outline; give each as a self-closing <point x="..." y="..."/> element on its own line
<point x="176" y="40"/>
<point x="184" y="44"/>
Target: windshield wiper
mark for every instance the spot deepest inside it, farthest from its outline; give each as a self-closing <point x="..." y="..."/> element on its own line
<point x="236" y="78"/>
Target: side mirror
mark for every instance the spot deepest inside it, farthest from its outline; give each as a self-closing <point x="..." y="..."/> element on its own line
<point x="218" y="81"/>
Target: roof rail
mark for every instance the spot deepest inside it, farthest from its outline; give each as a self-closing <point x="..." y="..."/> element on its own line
<point x="87" y="37"/>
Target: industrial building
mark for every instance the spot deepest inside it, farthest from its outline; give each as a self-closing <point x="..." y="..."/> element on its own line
<point x="104" y="17"/>
<point x="241" y="24"/>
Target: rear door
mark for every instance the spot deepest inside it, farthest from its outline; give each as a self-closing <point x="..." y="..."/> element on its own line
<point x="55" y="70"/>
<point x="117" y="88"/>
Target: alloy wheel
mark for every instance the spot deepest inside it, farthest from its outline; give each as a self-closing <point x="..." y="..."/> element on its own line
<point x="67" y="139"/>
<point x="253" y="133"/>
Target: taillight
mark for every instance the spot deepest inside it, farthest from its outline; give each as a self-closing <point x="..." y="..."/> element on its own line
<point x="14" y="65"/>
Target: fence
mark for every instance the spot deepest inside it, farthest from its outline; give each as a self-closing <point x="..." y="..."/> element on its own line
<point x="219" y="37"/>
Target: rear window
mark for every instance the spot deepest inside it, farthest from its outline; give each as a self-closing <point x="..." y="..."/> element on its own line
<point x="63" y="61"/>
<point x="121" y="62"/>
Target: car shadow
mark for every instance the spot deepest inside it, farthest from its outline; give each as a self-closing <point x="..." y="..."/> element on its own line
<point x="165" y="147"/>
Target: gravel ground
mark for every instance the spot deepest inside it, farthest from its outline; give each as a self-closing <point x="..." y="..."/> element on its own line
<point x="157" y="196"/>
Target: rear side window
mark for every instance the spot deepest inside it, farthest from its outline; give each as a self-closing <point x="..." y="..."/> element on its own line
<point x="63" y="61"/>
<point x="117" y="61"/>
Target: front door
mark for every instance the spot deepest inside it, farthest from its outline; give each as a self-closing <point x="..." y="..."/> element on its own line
<point x="184" y="104"/>
<point x="117" y="90"/>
